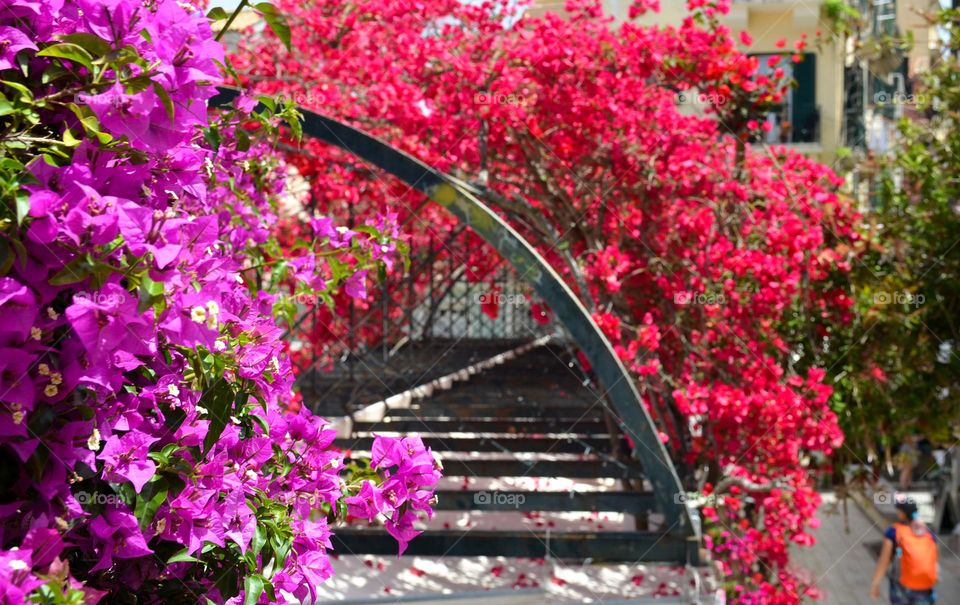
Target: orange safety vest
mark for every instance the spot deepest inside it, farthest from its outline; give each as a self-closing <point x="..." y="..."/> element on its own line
<point x="918" y="558"/>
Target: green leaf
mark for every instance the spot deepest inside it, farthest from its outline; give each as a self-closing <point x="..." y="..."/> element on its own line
<point x="252" y="588"/>
<point x="243" y="139"/>
<point x="26" y="94"/>
<point x="271" y="593"/>
<point x="217" y="13"/>
<point x="76" y="271"/>
<point x="7" y="256"/>
<point x="368" y="229"/>
<point x="150" y="292"/>
<point x="182" y="557"/>
<point x="268" y="102"/>
<point x="71" y="52"/>
<point x="23" y="208"/>
<point x="166" y="100"/>
<point x="149" y="500"/>
<point x="169" y="449"/>
<point x="92" y="44"/>
<point x="69" y="140"/>
<point x="282" y="548"/>
<point x="218" y="400"/>
<point x="158" y="457"/>
<point x="212" y="137"/>
<point x="90" y="122"/>
<point x="292" y="117"/>
<point x="277" y="22"/>
<point x="54" y="72"/>
<point x="262" y="422"/>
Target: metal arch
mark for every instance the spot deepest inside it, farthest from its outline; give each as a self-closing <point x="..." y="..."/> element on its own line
<point x="461" y="199"/>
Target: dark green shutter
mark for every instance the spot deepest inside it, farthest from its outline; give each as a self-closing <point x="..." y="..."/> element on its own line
<point x="805" y="116"/>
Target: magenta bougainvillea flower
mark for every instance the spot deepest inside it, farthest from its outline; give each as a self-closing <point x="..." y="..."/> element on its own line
<point x="12" y="41"/>
<point x="144" y="382"/>
<point x="125" y="458"/>
<point x="116" y="534"/>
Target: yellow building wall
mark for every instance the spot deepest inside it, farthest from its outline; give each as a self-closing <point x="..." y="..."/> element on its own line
<point x="911" y="16"/>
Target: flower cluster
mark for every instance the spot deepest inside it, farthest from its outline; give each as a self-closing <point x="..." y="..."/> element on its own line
<point x="409" y="474"/>
<point x="717" y="269"/>
<point x="144" y="440"/>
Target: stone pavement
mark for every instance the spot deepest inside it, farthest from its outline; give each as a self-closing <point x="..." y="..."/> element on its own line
<point x="843" y="559"/>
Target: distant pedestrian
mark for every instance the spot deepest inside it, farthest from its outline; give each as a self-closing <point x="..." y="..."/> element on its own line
<point x="912" y="549"/>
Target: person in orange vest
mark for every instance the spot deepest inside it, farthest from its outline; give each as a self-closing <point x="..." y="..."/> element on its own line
<point x="912" y="548"/>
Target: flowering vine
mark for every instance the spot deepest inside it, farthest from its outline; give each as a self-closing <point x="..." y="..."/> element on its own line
<point x="145" y="445"/>
<point x="717" y="267"/>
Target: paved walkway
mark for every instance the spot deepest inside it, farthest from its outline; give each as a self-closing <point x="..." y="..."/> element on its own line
<point x="843" y="559"/>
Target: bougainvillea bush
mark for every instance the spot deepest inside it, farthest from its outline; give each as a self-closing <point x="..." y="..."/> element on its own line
<point x="716" y="266"/>
<point x="146" y="450"/>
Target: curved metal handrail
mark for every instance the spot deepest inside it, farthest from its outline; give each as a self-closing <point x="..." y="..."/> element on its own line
<point x="461" y="199"/>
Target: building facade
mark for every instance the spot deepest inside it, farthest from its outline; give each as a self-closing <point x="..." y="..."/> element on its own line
<point x="849" y="88"/>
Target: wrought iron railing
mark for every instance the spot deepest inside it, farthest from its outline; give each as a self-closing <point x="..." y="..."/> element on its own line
<point x="407" y="331"/>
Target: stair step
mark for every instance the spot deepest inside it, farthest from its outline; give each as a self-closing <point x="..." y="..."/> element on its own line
<point x="501" y="411"/>
<point x="518" y="426"/>
<point x="509" y="596"/>
<point x="598" y="546"/>
<point x="499" y="500"/>
<point x="574" y="469"/>
<point x="553" y="445"/>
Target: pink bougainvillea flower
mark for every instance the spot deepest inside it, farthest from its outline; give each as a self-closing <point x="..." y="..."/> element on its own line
<point x="125" y="459"/>
<point x="367" y="504"/>
<point x="239" y="518"/>
<point x="45" y="543"/>
<point x="356" y="285"/>
<point x="402" y="530"/>
<point x="16" y="385"/>
<point x="17" y="580"/>
<point x="116" y="534"/>
<point x="18" y="306"/>
<point x="12" y="41"/>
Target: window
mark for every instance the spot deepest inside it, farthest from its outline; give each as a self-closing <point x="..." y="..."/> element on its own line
<point x="797" y="119"/>
<point x="885" y="17"/>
